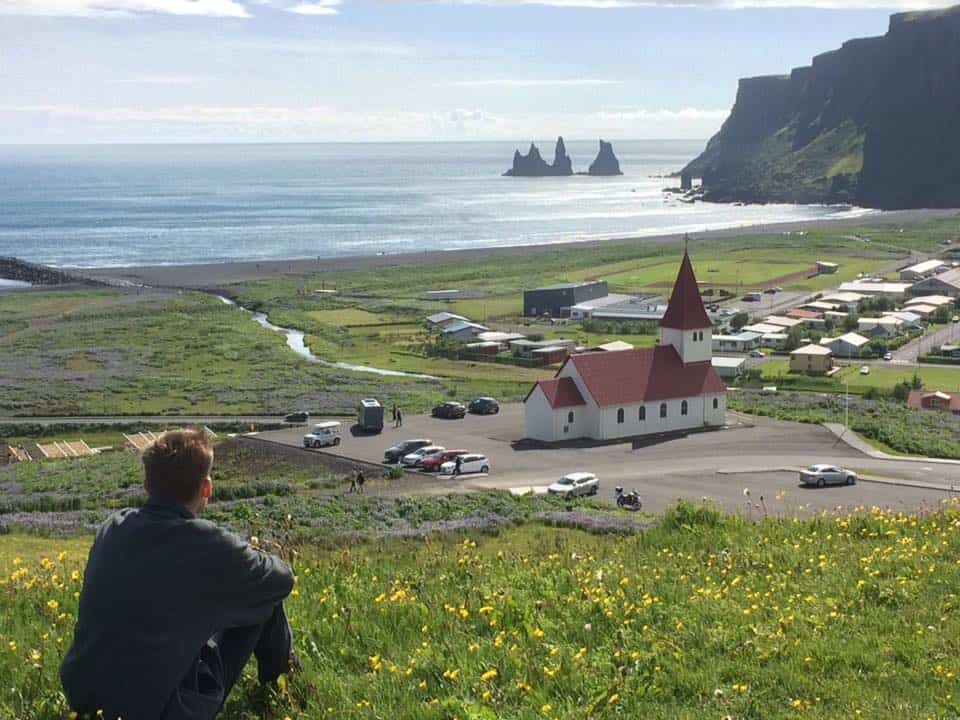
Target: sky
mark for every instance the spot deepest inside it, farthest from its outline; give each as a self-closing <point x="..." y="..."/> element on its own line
<point x="97" y="71"/>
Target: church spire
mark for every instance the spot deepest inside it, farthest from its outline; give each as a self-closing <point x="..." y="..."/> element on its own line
<point x="685" y="310"/>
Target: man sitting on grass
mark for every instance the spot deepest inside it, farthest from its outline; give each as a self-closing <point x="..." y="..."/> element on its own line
<point x="173" y="606"/>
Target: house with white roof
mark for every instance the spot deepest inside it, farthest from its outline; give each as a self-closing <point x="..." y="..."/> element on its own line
<point x="935" y="300"/>
<point x="876" y="287"/>
<point x="644" y="391"/>
<point x="887" y="326"/>
<point x="849" y="345"/>
<point x="463" y="330"/>
<point x="440" y="320"/>
<point x="921" y="270"/>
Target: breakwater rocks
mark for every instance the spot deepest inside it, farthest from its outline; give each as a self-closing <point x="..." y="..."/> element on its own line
<point x="23" y="271"/>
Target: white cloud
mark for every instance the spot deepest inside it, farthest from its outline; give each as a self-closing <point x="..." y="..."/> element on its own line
<point x="520" y="83"/>
<point x="270" y="122"/>
<point x="729" y="4"/>
<point x="318" y="7"/>
<point x="95" y="8"/>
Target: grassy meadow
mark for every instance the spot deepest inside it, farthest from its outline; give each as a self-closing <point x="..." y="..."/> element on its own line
<point x="702" y="616"/>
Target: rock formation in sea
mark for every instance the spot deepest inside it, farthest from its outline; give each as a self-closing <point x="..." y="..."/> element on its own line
<point x="873" y="123"/>
<point x="533" y="165"/>
<point x="606" y="162"/>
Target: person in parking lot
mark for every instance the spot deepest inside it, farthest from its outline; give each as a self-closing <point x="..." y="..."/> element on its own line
<point x="173" y="606"/>
<point x="457" y="465"/>
<point x="399" y="422"/>
<point x="360" y="481"/>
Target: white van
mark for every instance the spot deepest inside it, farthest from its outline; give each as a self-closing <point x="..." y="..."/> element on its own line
<point x="323" y="434"/>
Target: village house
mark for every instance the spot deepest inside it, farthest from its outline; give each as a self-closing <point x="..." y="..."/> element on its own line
<point x="463" y="331"/>
<point x="879" y="326"/>
<point x="440" y="320"/>
<point x="922" y="270"/>
<point x="744" y="341"/>
<point x="849" y="345"/>
<point x="610" y="395"/>
<point x="811" y="360"/>
<point x="935" y="400"/>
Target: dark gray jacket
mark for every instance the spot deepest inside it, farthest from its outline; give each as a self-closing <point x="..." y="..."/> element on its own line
<point x="159" y="583"/>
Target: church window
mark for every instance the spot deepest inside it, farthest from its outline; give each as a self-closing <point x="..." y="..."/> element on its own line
<point x="642" y="413"/>
<point x="716" y="403"/>
<point x="663" y="410"/>
<point x="620" y="416"/>
<point x="683" y="407"/>
<point x="570" y="416"/>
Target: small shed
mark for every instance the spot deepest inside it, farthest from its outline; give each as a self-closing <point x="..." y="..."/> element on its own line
<point x="728" y="367"/>
<point x="827" y="268"/>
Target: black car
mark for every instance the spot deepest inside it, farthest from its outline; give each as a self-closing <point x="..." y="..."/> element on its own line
<point x="449" y="411"/>
<point x="393" y="454"/>
<point x="484" y="406"/>
<point x="297" y="417"/>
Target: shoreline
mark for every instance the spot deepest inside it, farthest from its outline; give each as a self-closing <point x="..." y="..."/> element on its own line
<point x="201" y="276"/>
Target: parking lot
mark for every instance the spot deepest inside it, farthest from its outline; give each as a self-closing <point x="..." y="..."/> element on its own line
<point x="758" y="454"/>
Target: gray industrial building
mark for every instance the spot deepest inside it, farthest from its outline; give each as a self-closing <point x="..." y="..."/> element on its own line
<point x="556" y="300"/>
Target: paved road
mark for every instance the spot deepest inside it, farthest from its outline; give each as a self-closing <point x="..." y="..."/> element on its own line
<point x="152" y="419"/>
<point x="926" y="343"/>
<point x="718" y="464"/>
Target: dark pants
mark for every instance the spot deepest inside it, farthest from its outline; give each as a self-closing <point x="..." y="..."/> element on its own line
<point x="216" y="670"/>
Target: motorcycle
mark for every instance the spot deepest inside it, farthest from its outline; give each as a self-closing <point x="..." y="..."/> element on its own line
<point x="628" y="501"/>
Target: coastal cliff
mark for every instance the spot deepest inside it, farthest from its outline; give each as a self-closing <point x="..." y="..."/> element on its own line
<point x="533" y="165"/>
<point x="873" y="124"/>
<point x="606" y="162"/>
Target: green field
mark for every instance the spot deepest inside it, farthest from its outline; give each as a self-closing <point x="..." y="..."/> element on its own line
<point x="702" y="617"/>
<point x="883" y="378"/>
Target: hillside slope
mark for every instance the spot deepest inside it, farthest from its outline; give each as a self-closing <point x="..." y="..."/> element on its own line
<point x="873" y="123"/>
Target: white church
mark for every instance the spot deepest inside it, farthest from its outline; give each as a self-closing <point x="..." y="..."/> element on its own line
<point x="625" y="393"/>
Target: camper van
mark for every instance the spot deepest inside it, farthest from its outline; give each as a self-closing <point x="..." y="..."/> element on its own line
<point x="370" y="415"/>
<point x="322" y="435"/>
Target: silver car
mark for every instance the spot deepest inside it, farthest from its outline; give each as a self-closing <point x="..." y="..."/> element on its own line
<point x="823" y="475"/>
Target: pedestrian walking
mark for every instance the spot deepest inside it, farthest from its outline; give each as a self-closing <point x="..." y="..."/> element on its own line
<point x="399" y="418"/>
<point x="360" y="480"/>
<point x="394" y="416"/>
<point x="353" y="485"/>
<point x="457" y="465"/>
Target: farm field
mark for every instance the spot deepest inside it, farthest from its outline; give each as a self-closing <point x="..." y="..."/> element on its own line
<point x="702" y="616"/>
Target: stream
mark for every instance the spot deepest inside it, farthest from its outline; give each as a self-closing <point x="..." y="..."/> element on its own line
<point x="296" y="342"/>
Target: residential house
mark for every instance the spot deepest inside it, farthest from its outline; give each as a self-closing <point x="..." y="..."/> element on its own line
<point x="946" y="283"/>
<point x="885" y="326"/>
<point x="935" y="400"/>
<point x="463" y="331"/>
<point x="728" y="368"/>
<point x="811" y="360"/>
<point x="438" y="321"/>
<point x="849" y="345"/>
<point x="744" y="341"/>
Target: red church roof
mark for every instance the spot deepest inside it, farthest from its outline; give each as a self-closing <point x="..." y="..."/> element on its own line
<point x="560" y="392"/>
<point x="643" y="375"/>
<point x="685" y="310"/>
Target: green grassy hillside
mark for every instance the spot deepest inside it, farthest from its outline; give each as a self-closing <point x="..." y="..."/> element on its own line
<point x="701" y="617"/>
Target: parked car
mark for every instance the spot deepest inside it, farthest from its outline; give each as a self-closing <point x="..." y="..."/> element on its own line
<point x="768" y="390"/>
<point x="297" y="417"/>
<point x="393" y="454"/>
<point x="322" y="435"/>
<point x="864" y="369"/>
<point x="757" y="353"/>
<point x="484" y="406"/>
<point x="888" y="356"/>
<point x="449" y="411"/>
<point x="469" y="463"/>
<point x="433" y="462"/>
<point x="413" y="459"/>
<point x="575" y="484"/>
<point x="822" y="475"/>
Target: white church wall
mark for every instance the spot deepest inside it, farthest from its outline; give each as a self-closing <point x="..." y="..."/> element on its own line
<point x="539" y="417"/>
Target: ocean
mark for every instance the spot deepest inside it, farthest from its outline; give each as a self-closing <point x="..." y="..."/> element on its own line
<point x="119" y="205"/>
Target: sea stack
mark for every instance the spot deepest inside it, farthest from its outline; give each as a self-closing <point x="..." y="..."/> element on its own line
<point x="606" y="162"/>
<point x="533" y="165"/>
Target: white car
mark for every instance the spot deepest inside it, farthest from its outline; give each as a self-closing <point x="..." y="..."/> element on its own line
<point x="575" y="484"/>
<point x="822" y="475"/>
<point x="864" y="369"/>
<point x="469" y="463"/>
<point x="413" y="459"/>
<point x="322" y="435"/>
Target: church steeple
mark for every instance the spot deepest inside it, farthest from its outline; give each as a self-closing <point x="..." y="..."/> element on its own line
<point x="686" y="324"/>
<point x="685" y="310"/>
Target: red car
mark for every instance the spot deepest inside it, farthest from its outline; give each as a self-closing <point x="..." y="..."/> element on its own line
<point x="432" y="463"/>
